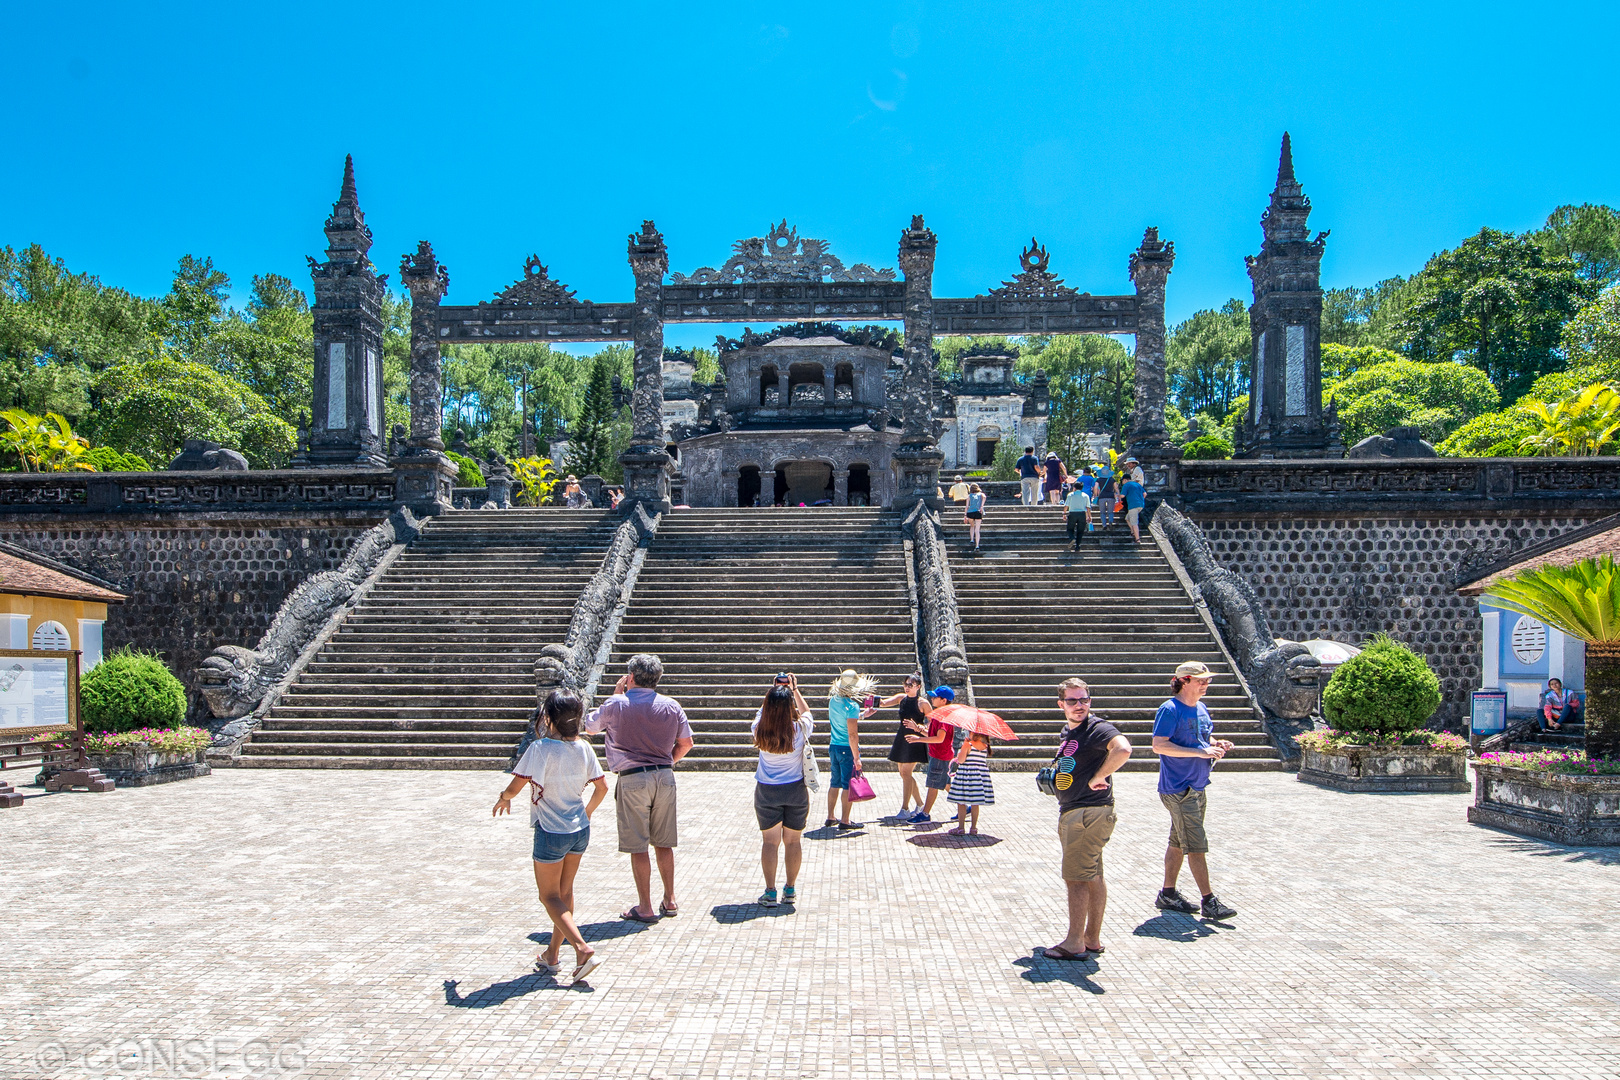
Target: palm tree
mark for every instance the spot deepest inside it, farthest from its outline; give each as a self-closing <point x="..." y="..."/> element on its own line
<point x="1583" y="601"/>
<point x="1579" y="426"/>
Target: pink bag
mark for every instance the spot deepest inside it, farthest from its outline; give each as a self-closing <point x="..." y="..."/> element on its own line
<point x="860" y="789"/>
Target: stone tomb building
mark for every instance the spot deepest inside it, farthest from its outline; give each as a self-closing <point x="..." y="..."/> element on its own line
<point x="985" y="405"/>
<point x="795" y="420"/>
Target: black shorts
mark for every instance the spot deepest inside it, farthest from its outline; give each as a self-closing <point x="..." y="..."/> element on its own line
<point x="975" y="515"/>
<point x="787" y="805"/>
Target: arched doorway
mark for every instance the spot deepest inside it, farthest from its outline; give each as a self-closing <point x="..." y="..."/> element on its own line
<point x="860" y="485"/>
<point x="807" y="482"/>
<point x="747" y="485"/>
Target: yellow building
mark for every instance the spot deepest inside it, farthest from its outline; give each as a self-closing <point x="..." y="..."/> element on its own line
<point x="47" y="605"/>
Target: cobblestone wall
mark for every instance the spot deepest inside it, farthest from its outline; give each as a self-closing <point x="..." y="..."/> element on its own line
<point x="1347" y="578"/>
<point x="193" y="584"/>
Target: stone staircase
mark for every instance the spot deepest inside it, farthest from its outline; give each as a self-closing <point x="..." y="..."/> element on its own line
<point x="727" y="598"/>
<point x="1034" y="613"/>
<point x="434" y="669"/>
<point x="1571" y="736"/>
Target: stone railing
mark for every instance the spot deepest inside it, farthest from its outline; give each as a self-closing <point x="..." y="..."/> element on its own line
<point x="1301" y="487"/>
<point x="578" y="662"/>
<point x="942" y="647"/>
<point x="147" y="492"/>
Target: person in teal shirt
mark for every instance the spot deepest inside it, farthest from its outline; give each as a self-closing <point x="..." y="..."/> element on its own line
<point x="1078" y="517"/>
<point x="846" y="708"/>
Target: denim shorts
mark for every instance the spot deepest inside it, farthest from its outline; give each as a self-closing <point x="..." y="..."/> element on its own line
<point x="843" y="766"/>
<point x="939" y="773"/>
<point x="552" y="846"/>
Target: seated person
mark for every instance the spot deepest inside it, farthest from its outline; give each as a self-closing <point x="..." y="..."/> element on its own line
<point x="1558" y="706"/>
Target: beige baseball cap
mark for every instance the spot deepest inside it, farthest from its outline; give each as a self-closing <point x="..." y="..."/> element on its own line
<point x="1194" y="669"/>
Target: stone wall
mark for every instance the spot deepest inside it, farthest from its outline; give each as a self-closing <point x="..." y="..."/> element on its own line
<point x="1348" y="576"/>
<point x="194" y="580"/>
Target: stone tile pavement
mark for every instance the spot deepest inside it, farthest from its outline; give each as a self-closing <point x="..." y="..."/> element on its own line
<point x="360" y="925"/>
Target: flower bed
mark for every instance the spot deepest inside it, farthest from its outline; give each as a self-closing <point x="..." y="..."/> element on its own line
<point x="1555" y="795"/>
<point x="148" y="755"/>
<point x="1422" y="761"/>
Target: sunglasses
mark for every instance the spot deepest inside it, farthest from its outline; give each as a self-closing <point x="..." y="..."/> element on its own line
<point x="1074" y="700"/>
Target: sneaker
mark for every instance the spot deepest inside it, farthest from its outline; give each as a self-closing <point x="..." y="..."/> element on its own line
<point x="920" y="818"/>
<point x="1172" y="900"/>
<point x="1213" y="908"/>
<point x="789" y="894"/>
<point x="768" y="898"/>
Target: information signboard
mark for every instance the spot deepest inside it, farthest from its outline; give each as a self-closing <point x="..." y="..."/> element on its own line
<point x="1489" y="713"/>
<point x="38" y="692"/>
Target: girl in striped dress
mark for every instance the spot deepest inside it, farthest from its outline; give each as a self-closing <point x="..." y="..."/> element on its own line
<point x="970" y="783"/>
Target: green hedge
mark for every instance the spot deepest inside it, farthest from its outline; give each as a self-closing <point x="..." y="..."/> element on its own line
<point x="471" y="475"/>
<point x="1385" y="690"/>
<point x="106" y="459"/>
<point x="131" y="689"/>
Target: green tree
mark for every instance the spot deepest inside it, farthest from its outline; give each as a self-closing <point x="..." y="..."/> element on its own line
<point x="194" y="310"/>
<point x="1591" y="340"/>
<point x="948" y="351"/>
<point x="1091" y="380"/>
<point x="1497" y="301"/>
<point x="1207" y="359"/>
<point x="1436" y="398"/>
<point x="1341" y="361"/>
<point x="52" y="316"/>
<point x="1588" y="235"/>
<point x="1366" y="317"/>
<point x="1582" y="425"/>
<point x="591" y="442"/>
<point x="1005" y="464"/>
<point x="152" y="407"/>
<point x="269" y="348"/>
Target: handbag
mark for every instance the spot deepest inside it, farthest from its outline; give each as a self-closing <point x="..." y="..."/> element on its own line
<point x="860" y="789"/>
<point x="812" y="772"/>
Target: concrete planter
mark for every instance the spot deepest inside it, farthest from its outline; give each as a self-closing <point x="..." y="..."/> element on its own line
<point x="138" y="765"/>
<point x="1547" y="806"/>
<point x="1366" y="768"/>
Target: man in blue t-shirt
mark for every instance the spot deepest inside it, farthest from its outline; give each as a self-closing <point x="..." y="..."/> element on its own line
<point x="1183" y="737"/>
<point x="1135" y="498"/>
<point x="1029" y="476"/>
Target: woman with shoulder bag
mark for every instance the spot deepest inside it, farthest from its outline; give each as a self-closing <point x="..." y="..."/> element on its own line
<point x="781" y="798"/>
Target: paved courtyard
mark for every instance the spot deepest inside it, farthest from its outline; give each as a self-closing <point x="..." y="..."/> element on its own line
<point x="353" y="924"/>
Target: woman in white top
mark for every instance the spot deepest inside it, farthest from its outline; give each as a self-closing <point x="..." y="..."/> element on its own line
<point x="557" y="768"/>
<point x="781" y="799"/>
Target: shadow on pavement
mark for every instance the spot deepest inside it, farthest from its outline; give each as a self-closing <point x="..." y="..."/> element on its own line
<point x="1171" y="926"/>
<point x="944" y="840"/>
<point x="1546" y="849"/>
<point x="596" y="931"/>
<point x="730" y="914"/>
<point x="831" y="832"/>
<point x="496" y="993"/>
<point x="1038" y="969"/>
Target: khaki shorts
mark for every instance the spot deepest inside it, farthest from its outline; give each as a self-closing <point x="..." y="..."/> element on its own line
<point x="1186" y="820"/>
<point x="1083" y="832"/>
<point x="646" y="806"/>
<point x="1132" y="514"/>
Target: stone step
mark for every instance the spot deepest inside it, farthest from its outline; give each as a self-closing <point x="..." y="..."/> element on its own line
<point x="278" y="725"/>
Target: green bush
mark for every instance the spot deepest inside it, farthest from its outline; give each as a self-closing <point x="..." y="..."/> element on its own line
<point x="1207" y="448"/>
<point x="131" y="689"/>
<point x="106" y="459"/>
<point x="471" y="475"/>
<point x="1385" y="690"/>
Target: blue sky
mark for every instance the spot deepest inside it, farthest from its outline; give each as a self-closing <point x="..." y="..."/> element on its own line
<point x="494" y="131"/>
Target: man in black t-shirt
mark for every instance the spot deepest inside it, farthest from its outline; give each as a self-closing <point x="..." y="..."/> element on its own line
<point x="1090" y="750"/>
<point x="1029" y="477"/>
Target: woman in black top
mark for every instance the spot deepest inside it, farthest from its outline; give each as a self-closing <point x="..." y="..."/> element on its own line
<point x="908" y="755"/>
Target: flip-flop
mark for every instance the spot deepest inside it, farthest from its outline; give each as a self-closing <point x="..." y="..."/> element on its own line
<point x="1058" y="952"/>
<point x="632" y="915"/>
<point x="668" y="911"/>
<point x="592" y="962"/>
<point x="543" y="968"/>
<point x="1098" y="951"/>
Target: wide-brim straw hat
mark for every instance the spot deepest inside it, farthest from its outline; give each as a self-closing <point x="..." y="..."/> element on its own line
<point x="853" y="685"/>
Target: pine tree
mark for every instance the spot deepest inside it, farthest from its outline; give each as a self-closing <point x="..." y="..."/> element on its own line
<point x="590" y="444"/>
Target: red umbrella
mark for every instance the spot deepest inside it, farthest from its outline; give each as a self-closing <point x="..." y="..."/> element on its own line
<point x="970" y="719"/>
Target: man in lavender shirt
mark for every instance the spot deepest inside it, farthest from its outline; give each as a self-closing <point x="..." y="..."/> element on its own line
<point x="647" y="733"/>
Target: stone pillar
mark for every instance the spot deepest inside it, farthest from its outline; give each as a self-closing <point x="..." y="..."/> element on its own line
<point x="424" y="478"/>
<point x="827" y="381"/>
<point x="1149" y="442"/>
<point x="917" y="459"/>
<point x="647" y="466"/>
<point x="728" y="486"/>
<point x="767" y="487"/>
<point x="840" y="487"/>
<point x="784" y="392"/>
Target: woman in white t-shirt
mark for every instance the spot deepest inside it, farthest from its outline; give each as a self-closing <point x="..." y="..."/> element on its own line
<point x="557" y="768"/>
<point x="781" y="799"/>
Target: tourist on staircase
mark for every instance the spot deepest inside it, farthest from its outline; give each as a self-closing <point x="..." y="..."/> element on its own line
<point x="1135" y="498"/>
<point x="1107" y="494"/>
<point x="647" y="733"/>
<point x="1090" y="751"/>
<point x="573" y="497"/>
<point x="1029" y="477"/>
<point x="1056" y="474"/>
<point x="1183" y="737"/>
<point x="847" y="706"/>
<point x="907" y="755"/>
<point x="973" y="513"/>
<point x="1078" y="518"/>
<point x="557" y="767"/>
<point x="1558" y="707"/>
<point x="781" y="731"/>
<point x="937" y="736"/>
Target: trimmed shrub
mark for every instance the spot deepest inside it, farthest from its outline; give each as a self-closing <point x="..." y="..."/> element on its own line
<point x="106" y="459"/>
<point x="471" y="475"/>
<point x="1384" y="690"/>
<point x="131" y="689"/>
<point x="1207" y="448"/>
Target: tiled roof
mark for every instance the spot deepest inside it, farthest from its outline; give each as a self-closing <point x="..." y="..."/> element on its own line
<point x="1560" y="551"/>
<point x="22" y="576"/>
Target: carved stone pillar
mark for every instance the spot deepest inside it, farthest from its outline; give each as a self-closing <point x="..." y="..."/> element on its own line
<point x="917" y="459"/>
<point x="647" y="467"/>
<point x="840" y="487"/>
<point x="784" y="392"/>
<point x="1149" y="442"/>
<point x="827" y="398"/>
<point x="424" y="478"/>
<point x="728" y="487"/>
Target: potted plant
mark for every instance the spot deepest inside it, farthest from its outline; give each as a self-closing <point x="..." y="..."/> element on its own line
<point x="1375" y="705"/>
<point x="1566" y="797"/>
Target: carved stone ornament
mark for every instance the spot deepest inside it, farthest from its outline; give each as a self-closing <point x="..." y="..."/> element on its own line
<point x="1035" y="283"/>
<point x="781" y="255"/>
<point x="535" y="287"/>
